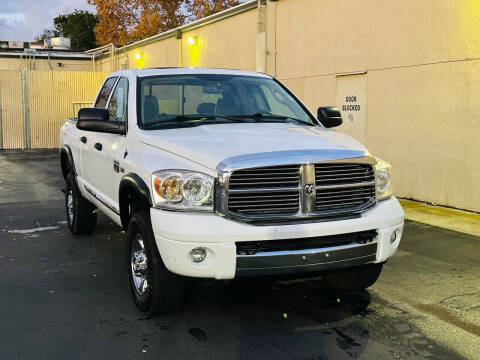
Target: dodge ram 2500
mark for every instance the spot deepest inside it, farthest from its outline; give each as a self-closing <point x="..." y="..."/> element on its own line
<point x="224" y="174"/>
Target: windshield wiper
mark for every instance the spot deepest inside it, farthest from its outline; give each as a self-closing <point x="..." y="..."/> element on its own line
<point x="174" y="118"/>
<point x="236" y="118"/>
<point x="267" y="115"/>
<point x="181" y="118"/>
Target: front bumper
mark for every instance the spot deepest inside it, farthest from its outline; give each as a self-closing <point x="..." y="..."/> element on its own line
<point x="176" y="234"/>
<point x="305" y="261"/>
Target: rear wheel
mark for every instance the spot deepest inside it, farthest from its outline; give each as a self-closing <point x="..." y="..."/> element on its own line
<point x="81" y="219"/>
<point x="154" y="288"/>
<point x="357" y="278"/>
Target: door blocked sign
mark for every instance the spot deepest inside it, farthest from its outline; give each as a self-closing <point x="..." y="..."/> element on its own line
<point x="352" y="102"/>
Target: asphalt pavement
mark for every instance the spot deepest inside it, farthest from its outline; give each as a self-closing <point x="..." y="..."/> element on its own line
<point x="66" y="297"/>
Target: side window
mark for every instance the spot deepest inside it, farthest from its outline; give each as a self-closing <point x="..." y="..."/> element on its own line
<point x="118" y="102"/>
<point x="105" y="92"/>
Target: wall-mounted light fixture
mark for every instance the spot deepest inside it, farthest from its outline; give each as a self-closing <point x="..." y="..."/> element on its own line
<point x="139" y="60"/>
<point x="192" y="40"/>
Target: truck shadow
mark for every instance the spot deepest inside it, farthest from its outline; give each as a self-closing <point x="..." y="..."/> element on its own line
<point x="255" y="318"/>
<point x="285" y="319"/>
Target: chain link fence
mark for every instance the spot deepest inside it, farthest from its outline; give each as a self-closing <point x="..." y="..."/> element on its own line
<point x="35" y="103"/>
<point x="11" y="110"/>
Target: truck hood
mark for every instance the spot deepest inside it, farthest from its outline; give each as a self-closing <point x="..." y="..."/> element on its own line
<point x="211" y="145"/>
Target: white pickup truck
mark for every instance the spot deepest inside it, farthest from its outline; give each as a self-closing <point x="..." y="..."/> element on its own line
<point x="223" y="174"/>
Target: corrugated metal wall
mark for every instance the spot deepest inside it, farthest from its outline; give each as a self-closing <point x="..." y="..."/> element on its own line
<point x="34" y="104"/>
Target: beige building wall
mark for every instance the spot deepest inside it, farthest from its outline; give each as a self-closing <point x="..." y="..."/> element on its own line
<point x="229" y="43"/>
<point x="105" y="64"/>
<point x="219" y="44"/>
<point x="160" y="53"/>
<point x="419" y="61"/>
<point x="17" y="63"/>
<point x="164" y="52"/>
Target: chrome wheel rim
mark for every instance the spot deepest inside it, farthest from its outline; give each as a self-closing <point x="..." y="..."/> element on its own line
<point x="70" y="206"/>
<point x="139" y="265"/>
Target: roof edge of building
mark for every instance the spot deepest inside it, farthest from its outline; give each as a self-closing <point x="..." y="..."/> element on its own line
<point x="45" y="55"/>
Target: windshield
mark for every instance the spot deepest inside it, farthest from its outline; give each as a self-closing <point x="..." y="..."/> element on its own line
<point x="168" y="101"/>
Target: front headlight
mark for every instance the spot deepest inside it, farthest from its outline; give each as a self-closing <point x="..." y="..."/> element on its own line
<point x="383" y="182"/>
<point x="182" y="190"/>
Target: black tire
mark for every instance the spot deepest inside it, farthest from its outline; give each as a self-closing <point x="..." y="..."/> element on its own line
<point x="165" y="292"/>
<point x="358" y="278"/>
<point x="81" y="219"/>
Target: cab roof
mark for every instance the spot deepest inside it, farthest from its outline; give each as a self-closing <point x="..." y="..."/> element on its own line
<point x="185" y="71"/>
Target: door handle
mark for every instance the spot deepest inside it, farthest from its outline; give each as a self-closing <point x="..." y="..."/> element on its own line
<point x="83" y="139"/>
<point x="98" y="146"/>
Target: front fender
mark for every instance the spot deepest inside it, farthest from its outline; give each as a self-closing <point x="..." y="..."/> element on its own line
<point x="132" y="188"/>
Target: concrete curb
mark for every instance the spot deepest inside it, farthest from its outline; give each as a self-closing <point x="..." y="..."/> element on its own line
<point x="447" y="218"/>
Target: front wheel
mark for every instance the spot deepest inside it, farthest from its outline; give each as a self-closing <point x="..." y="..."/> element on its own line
<point x="154" y="288"/>
<point x="357" y="278"/>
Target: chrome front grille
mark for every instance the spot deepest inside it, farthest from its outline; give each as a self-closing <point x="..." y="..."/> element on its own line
<point x="266" y="190"/>
<point x="266" y="177"/>
<point x="338" y="174"/>
<point x="264" y="202"/>
<point x="328" y="189"/>
<point x="343" y="186"/>
<point x="340" y="198"/>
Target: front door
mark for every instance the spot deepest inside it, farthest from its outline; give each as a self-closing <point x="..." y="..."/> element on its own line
<point x="109" y="151"/>
<point x="89" y="159"/>
<point x="114" y="146"/>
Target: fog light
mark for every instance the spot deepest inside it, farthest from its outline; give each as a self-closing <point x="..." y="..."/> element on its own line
<point x="198" y="254"/>
<point x="393" y="237"/>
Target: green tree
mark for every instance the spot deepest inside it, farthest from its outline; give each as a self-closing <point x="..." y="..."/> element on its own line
<point x="78" y="26"/>
<point x="46" y="34"/>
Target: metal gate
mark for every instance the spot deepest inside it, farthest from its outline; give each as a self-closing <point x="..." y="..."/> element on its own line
<point x="34" y="104"/>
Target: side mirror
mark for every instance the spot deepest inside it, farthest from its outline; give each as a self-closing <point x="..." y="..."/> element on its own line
<point x="329" y="116"/>
<point x="97" y="119"/>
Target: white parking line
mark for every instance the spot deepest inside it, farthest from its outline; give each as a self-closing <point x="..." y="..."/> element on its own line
<point x="29" y="231"/>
